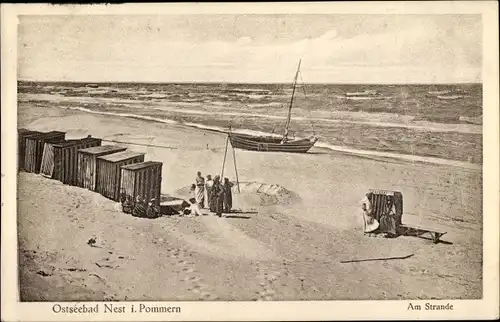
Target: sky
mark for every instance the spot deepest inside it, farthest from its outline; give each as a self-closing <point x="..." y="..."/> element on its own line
<point x="251" y="48"/>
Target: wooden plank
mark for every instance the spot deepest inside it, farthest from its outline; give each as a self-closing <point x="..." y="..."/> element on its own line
<point x="419" y="231"/>
<point x="376" y="259"/>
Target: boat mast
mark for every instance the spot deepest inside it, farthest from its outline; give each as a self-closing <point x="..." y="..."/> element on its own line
<point x="287" y="124"/>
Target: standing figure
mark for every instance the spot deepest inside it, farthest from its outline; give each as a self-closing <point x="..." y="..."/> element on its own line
<point x="200" y="190"/>
<point x="208" y="187"/>
<point x="228" y="195"/>
<point x="192" y="191"/>
<point x="212" y="201"/>
<point x="388" y="219"/>
<point x="370" y="224"/>
<point x="217" y="194"/>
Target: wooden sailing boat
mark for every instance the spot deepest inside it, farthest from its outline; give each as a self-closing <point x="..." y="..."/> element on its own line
<point x="272" y="143"/>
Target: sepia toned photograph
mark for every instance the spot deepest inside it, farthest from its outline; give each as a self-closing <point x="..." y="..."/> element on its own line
<point x="223" y="157"/>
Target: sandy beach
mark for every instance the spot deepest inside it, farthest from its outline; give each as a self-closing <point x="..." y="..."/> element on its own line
<point x="274" y="249"/>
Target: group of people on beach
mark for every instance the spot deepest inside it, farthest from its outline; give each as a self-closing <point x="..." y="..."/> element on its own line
<point x="141" y="208"/>
<point x="212" y="194"/>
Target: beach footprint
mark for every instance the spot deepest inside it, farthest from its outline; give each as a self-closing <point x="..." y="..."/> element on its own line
<point x="267" y="275"/>
<point x="189" y="275"/>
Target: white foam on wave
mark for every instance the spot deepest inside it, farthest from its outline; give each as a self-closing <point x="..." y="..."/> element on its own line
<point x="155" y="95"/>
<point x="271" y="104"/>
<point x="399" y="156"/>
<point x="450" y="97"/>
<point x="364" y="98"/>
<point x="129" y="115"/>
<point x="439" y="92"/>
<point x="251" y="90"/>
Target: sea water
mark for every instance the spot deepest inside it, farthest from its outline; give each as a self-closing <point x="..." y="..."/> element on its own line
<point x="442" y="123"/>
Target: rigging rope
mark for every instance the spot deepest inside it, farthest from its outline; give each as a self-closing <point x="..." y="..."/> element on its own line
<point x="214" y="148"/>
<point x="308" y="110"/>
<point x="141" y="144"/>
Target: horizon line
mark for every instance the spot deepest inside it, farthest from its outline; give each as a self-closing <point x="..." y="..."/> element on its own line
<point x="245" y="83"/>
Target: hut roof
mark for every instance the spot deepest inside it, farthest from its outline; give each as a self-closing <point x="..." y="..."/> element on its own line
<point x="120" y="156"/>
<point x="26" y="131"/>
<point x="105" y="149"/>
<point x="76" y="142"/>
<point x="47" y="135"/>
<point x="141" y="165"/>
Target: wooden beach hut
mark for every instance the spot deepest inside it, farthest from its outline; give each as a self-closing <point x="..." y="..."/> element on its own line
<point x="22" y="134"/>
<point x="142" y="179"/>
<point x="108" y="170"/>
<point x="59" y="160"/>
<point x="34" y="148"/>
<point x="87" y="161"/>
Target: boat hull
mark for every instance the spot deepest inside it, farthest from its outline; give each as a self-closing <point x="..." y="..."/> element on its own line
<point x="268" y="144"/>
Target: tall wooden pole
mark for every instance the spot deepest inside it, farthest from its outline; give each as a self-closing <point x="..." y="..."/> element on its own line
<point x="236" y="169"/>
<point x="224" y="162"/>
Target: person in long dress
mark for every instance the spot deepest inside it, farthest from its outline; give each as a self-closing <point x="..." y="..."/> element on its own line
<point x="388" y="219"/>
<point x="370" y="224"/>
<point x="217" y="197"/>
<point x="208" y="188"/>
<point x="228" y="195"/>
<point x="212" y="201"/>
<point x="200" y="190"/>
<point x="192" y="191"/>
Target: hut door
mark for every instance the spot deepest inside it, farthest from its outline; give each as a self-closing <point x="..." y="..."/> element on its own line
<point x="47" y="166"/>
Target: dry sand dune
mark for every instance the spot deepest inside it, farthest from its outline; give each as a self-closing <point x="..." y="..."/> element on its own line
<point x="273" y="250"/>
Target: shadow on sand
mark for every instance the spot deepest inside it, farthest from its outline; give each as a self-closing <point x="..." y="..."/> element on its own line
<point x="439" y="241"/>
<point x="318" y="152"/>
<point x="237" y="217"/>
<point x="237" y="214"/>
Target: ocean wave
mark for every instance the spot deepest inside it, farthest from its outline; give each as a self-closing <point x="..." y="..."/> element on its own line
<point x="129" y="115"/>
<point x="419" y="125"/>
<point x="271" y="104"/>
<point x="438" y="92"/>
<point x="155" y="95"/>
<point x="244" y="90"/>
<point x="187" y="108"/>
<point x="399" y="156"/>
<point x="363" y="98"/>
<point x="366" y="92"/>
<point x="450" y="97"/>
